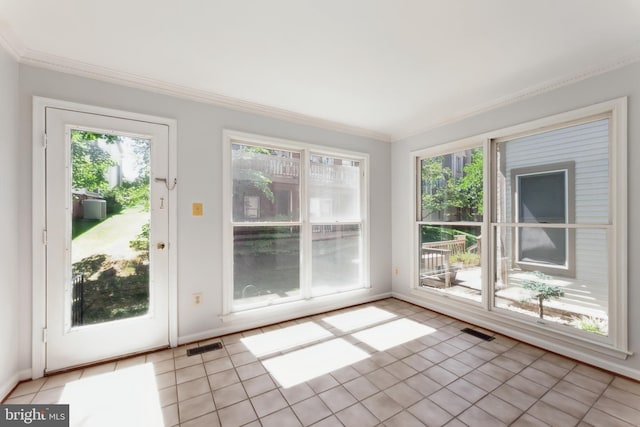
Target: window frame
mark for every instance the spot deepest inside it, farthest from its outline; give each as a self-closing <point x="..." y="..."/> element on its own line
<point x="570" y="216"/>
<point x="577" y="342"/>
<point x="448" y="149"/>
<point x="305" y="223"/>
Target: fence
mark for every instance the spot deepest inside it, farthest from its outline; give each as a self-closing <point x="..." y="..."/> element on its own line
<point x="77" y="302"/>
<point x="436" y="257"/>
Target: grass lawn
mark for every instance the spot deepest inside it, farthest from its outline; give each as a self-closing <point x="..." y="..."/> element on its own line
<point x="115" y="276"/>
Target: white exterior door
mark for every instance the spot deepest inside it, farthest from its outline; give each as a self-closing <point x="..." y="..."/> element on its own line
<point x="107" y="217"/>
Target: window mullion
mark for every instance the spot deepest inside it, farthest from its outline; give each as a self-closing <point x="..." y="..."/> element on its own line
<point x="306" y="276"/>
<point x="487" y="259"/>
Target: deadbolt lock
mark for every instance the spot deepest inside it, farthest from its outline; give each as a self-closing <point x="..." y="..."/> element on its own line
<point x="161" y="245"/>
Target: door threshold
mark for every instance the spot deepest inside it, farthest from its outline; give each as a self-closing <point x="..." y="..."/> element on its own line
<point x="104" y="361"/>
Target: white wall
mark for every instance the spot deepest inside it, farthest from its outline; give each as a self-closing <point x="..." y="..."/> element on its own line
<point x="200" y="180"/>
<point x="618" y="83"/>
<point x="10" y="282"/>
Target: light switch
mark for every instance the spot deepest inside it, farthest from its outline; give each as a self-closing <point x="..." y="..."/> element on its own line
<point x="196" y="209"/>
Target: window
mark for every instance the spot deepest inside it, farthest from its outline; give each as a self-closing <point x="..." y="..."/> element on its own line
<point x="297" y="222"/>
<point x="554" y="225"/>
<point x="544" y="194"/>
<point x="450" y="223"/>
<point x="555" y="268"/>
<point x="252" y="207"/>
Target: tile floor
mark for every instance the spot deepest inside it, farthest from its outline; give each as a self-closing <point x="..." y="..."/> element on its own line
<point x="387" y="363"/>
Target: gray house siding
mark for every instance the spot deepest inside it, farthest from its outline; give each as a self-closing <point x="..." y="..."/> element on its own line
<point x="587" y="146"/>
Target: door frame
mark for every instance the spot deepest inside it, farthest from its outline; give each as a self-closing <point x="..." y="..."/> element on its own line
<point x="39" y="220"/>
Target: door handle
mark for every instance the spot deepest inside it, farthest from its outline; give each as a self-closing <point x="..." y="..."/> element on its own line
<point x="161" y="245"/>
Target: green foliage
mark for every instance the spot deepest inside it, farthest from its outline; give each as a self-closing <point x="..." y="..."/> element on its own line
<point x="435" y="197"/>
<point x="444" y="193"/>
<point x="470" y="187"/>
<point x="90" y="163"/>
<point x="592" y="324"/>
<point x="141" y="242"/>
<point x="127" y="195"/>
<point x="430" y="233"/>
<point x="255" y="179"/>
<point x="466" y="258"/>
<point x="540" y="289"/>
<point x="245" y="178"/>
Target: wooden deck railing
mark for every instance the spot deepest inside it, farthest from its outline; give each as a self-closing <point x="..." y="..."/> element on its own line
<point x="436" y="257"/>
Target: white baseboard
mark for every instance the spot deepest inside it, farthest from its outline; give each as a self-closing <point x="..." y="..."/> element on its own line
<point x="9" y="385"/>
<point x="282" y="313"/>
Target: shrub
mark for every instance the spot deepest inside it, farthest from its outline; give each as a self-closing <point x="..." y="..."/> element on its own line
<point x="593" y="324"/>
<point x="540" y="289"/>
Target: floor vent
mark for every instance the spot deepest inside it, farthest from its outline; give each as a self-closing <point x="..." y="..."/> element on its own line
<point x="204" y="348"/>
<point x="478" y="334"/>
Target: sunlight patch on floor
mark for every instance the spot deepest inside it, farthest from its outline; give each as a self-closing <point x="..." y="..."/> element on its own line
<point x="285" y="338"/>
<point x="357" y="319"/>
<point x="312" y="362"/>
<point x="392" y="334"/>
<point x="126" y="397"/>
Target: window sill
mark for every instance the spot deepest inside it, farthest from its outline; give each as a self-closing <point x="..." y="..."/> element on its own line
<point x="536" y="334"/>
<point x="299" y="308"/>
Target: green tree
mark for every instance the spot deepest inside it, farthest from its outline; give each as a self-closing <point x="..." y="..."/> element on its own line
<point x="469" y="189"/>
<point x="141" y="242"/>
<point x="541" y="290"/>
<point x="136" y="192"/>
<point x="245" y="178"/>
<point x="90" y="162"/>
<point x="435" y="191"/>
<point x="442" y="192"/>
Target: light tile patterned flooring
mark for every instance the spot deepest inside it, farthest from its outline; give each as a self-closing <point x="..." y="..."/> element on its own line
<point x="415" y="367"/>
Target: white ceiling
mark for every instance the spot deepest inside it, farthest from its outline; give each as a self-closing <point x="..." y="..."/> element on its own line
<point x="382" y="68"/>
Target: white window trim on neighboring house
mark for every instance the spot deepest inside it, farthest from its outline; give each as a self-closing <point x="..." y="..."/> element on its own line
<point x="294" y="305"/>
<point x="575" y="343"/>
<point x="568" y="169"/>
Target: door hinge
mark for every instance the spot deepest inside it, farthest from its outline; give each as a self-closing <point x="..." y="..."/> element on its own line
<point x="44" y="140"/>
<point x="44" y="335"/>
<point x="44" y="237"/>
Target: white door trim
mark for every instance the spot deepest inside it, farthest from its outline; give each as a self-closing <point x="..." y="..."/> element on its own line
<point x="39" y="302"/>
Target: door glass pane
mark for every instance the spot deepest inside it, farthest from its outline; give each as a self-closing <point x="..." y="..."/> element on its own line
<point x="579" y="302"/>
<point x="334" y="189"/>
<point x="110" y="223"/>
<point x="450" y="260"/>
<point x="266" y="264"/>
<point x="266" y="184"/>
<point x="337" y="258"/>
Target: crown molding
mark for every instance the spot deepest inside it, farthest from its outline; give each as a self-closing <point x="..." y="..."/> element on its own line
<point x="539" y="89"/>
<point x="82" y="69"/>
<point x="10" y="42"/>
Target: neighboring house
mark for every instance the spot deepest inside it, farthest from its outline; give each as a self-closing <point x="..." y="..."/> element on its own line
<point x="334" y="177"/>
<point x="556" y="177"/>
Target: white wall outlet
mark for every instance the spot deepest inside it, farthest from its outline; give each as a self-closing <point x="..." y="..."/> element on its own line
<point x="197" y="298"/>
